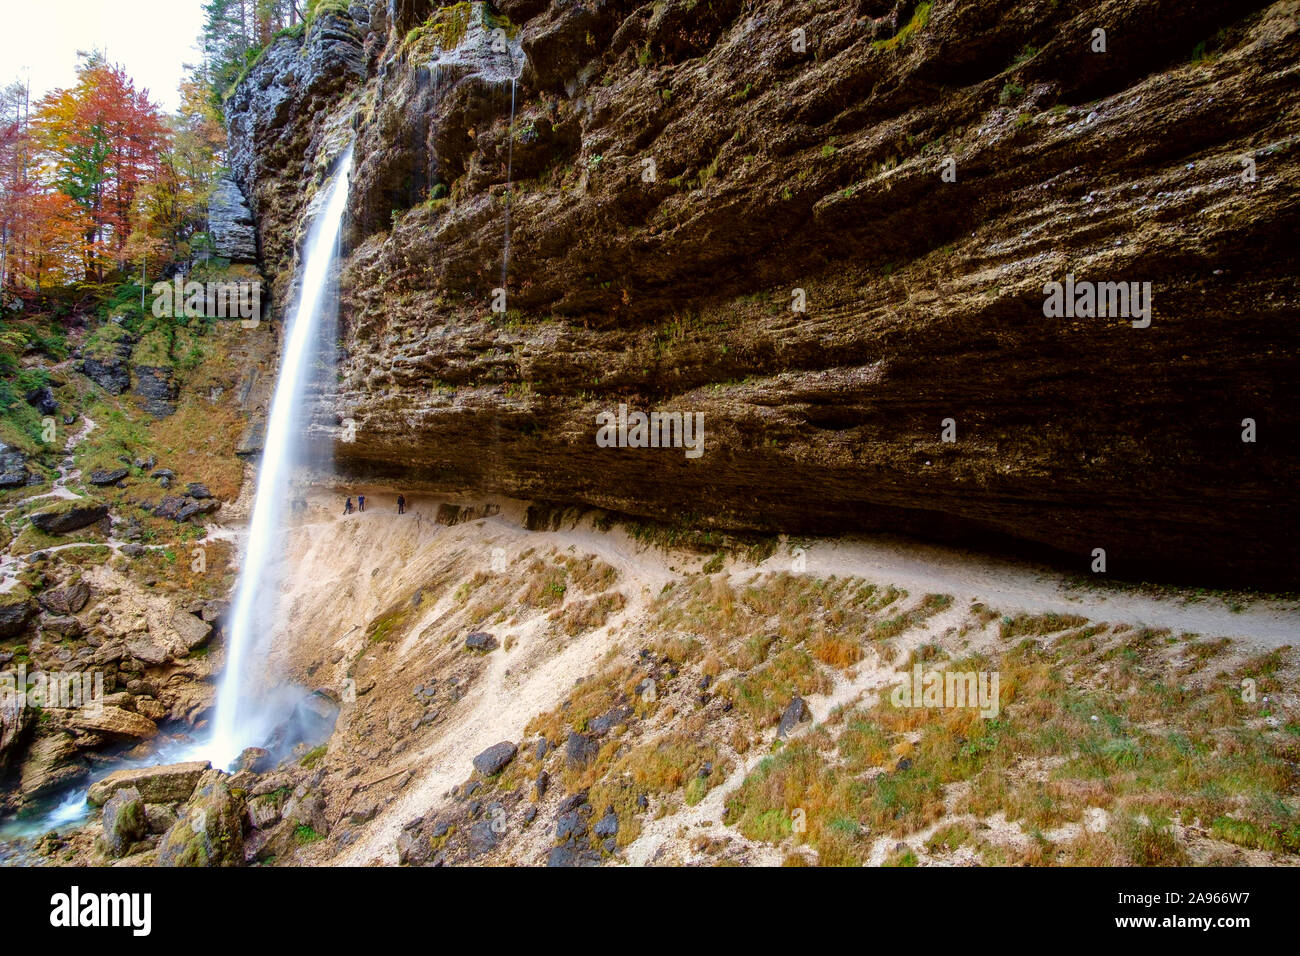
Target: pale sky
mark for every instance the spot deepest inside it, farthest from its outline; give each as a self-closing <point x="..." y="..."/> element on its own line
<point x="152" y="39"/>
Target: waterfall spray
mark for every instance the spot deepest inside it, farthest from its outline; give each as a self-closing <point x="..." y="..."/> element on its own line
<point x="237" y="723"/>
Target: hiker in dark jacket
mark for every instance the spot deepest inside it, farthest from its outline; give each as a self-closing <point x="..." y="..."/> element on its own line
<point x="347" y="507"/>
<point x="401" y="504"/>
<point x="361" y="502"/>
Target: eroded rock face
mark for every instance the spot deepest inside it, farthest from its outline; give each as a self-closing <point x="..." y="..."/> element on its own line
<point x="13" y="467"/>
<point x="787" y="175"/>
<point x="230" y="222"/>
<point x="157" y="388"/>
<point x="110" y="371"/>
<point x="296" y="78"/>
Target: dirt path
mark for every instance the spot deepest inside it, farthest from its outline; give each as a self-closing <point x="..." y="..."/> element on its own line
<point x="1012" y="587"/>
<point x="511" y="693"/>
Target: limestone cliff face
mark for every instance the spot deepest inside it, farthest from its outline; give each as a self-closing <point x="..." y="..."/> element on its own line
<point x="680" y="174"/>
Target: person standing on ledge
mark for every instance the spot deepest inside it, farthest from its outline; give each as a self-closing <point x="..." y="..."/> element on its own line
<point x="361" y="502"/>
<point x="401" y="504"/>
<point x="347" y="506"/>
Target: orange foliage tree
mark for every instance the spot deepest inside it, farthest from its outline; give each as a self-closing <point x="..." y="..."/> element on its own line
<point x="101" y="140"/>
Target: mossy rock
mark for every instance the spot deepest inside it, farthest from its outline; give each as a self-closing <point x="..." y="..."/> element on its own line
<point x="210" y="833"/>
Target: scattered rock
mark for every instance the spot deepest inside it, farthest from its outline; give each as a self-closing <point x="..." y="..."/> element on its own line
<point x="796" y="712"/>
<point x="607" y="826"/>
<point x="64" y="627"/>
<point x="412" y="848"/>
<point x="101" y="476"/>
<point x="571" y="824"/>
<point x="561" y="856"/>
<point x="481" y="641"/>
<point x="609" y="720"/>
<point x="192" y="631"/>
<point x="483" y="837"/>
<point x="580" y="750"/>
<point x="494" y="759"/>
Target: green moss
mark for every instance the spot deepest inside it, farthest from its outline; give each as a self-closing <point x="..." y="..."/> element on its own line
<point x="920" y="19"/>
<point x="303" y="834"/>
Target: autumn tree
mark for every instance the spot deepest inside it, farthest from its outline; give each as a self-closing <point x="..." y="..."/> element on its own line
<point x="102" y="140"/>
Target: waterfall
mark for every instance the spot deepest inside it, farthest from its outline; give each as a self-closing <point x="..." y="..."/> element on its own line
<point x="238" y="723"/>
<point x="510" y="186"/>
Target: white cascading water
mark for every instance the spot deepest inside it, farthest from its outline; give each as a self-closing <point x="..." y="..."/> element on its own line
<point x="238" y="723"/>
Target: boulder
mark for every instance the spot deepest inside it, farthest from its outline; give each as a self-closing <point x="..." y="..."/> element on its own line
<point x="43" y="400"/>
<point x="306" y="808"/>
<point x="64" y="627"/>
<point x="68" y="599"/>
<point x="192" y="631"/>
<point x="561" y="856"/>
<point x="197" y="490"/>
<point x="796" y="712"/>
<point x="413" y="848"/>
<point x="482" y="838"/>
<point x="607" y="826"/>
<point x="169" y="507"/>
<point x="264" y="811"/>
<point x="495" y="758"/>
<point x="101" y="476"/>
<point x="16" y="609"/>
<point x="124" y="821"/>
<point x="51" y="763"/>
<point x="211" y="831"/>
<point x="580" y="750"/>
<point x="609" y="720"/>
<point x="171" y="783"/>
<point x="143" y="649"/>
<point x="480" y="641"/>
<point x="571" y="824"/>
<point x="71" y="516"/>
<point x="192" y="508"/>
